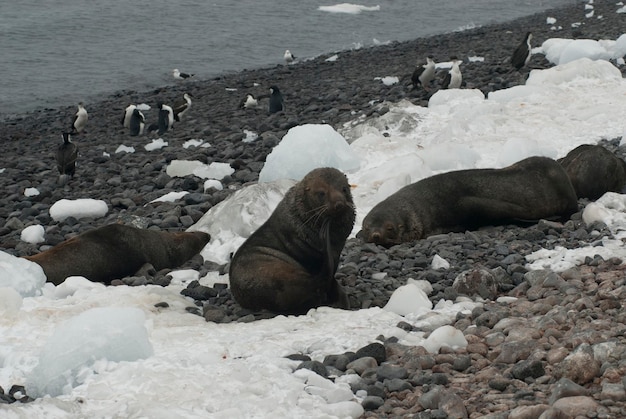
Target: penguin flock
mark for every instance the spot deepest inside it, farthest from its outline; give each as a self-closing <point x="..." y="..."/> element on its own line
<point x="425" y="73"/>
<point x="134" y="120"/>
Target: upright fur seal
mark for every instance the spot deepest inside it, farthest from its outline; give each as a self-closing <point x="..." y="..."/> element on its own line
<point x="594" y="170"/>
<point x="288" y="264"/>
<point x="115" y="251"/>
<point x="531" y="189"/>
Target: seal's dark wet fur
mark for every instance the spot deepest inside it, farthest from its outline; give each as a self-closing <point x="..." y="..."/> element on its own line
<point x="531" y="189"/>
<point x="288" y="264"/>
<point x="115" y="251"/>
<point x="594" y="170"/>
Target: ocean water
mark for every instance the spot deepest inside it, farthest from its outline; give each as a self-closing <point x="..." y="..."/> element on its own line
<point x="59" y="52"/>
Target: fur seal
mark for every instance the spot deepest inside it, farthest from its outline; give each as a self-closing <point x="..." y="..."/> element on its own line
<point x="115" y="251"/>
<point x="288" y="264"/>
<point x="531" y="189"/>
<point x="594" y="170"/>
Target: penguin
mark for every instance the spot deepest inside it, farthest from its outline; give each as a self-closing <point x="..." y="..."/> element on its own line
<point x="153" y="129"/>
<point x="137" y="123"/>
<point x="453" y="78"/>
<point x="521" y="55"/>
<point x="277" y="103"/>
<point x="249" y="102"/>
<point x="289" y="57"/>
<point x="80" y="119"/>
<point x="166" y="118"/>
<point x="424" y="74"/>
<point x="66" y="156"/>
<point x="182" y="106"/>
<point x="128" y="113"/>
<point x="181" y="76"/>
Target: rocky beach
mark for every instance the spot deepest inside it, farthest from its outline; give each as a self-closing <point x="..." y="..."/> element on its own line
<point x="558" y="350"/>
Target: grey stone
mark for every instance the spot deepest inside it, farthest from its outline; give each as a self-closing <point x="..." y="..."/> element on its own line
<point x="372" y="402"/>
<point x="387" y="371"/>
<point x="359" y="365"/>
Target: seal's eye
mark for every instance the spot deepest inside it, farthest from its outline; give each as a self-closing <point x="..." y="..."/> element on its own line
<point x="321" y="195"/>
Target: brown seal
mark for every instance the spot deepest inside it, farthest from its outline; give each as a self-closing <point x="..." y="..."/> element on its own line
<point x="594" y="170"/>
<point x="288" y="264"/>
<point x="115" y="251"/>
<point x="531" y="189"/>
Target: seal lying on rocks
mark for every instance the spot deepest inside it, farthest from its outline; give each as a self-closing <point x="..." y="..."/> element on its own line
<point x="594" y="170"/>
<point x="531" y="189"/>
<point x="288" y="264"/>
<point x="115" y="251"/>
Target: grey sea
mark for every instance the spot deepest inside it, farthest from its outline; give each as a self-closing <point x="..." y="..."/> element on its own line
<point x="59" y="52"/>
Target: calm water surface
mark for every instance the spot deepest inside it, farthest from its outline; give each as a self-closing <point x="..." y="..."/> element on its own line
<point x="58" y="52"/>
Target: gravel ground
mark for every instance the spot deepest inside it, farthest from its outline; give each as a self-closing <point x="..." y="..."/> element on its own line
<point x="557" y="351"/>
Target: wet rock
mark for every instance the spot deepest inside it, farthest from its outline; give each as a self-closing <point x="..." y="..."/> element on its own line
<point x="580" y="366"/>
<point x="360" y="365"/>
<point x="375" y="350"/>
<point x="476" y="282"/>
<point x="577" y="406"/>
<point x="372" y="402"/>
<point x="315" y="366"/>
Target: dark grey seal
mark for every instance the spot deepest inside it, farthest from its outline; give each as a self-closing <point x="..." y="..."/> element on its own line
<point x="594" y="170"/>
<point x="288" y="264"/>
<point x="115" y="251"/>
<point x="531" y="189"/>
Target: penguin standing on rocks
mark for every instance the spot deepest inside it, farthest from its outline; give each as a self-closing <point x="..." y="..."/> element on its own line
<point x="128" y="113"/>
<point x="182" y="106"/>
<point x="249" y="102"/>
<point x="453" y="78"/>
<point x="80" y="119"/>
<point x="424" y="74"/>
<point x="521" y="55"/>
<point x="277" y="102"/>
<point x="166" y="118"/>
<point x="66" y="156"/>
<point x="137" y="123"/>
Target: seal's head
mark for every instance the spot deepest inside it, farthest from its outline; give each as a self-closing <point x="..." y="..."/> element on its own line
<point x="386" y="229"/>
<point x="327" y="198"/>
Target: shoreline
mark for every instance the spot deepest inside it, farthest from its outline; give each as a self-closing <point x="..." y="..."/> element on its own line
<point x="441" y="39"/>
<point x="315" y="91"/>
<point x="61" y="95"/>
